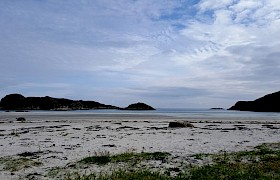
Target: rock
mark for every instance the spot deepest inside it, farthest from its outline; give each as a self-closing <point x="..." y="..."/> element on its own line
<point x="139" y="106"/>
<point x="21" y="119"/>
<point x="267" y="103"/>
<point x="180" y="124"/>
<point x="109" y="145"/>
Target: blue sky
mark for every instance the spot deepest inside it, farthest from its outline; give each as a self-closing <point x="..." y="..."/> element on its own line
<point x="179" y="53"/>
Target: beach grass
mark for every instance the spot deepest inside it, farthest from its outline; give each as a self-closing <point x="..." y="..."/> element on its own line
<point x="261" y="163"/>
<point x="121" y="175"/>
<point x="16" y="164"/>
<point x="105" y="158"/>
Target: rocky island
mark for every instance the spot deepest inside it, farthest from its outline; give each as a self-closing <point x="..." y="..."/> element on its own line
<point x="139" y="106"/>
<point x="267" y="103"/>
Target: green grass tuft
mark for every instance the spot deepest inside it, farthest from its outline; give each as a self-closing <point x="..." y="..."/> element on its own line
<point x="121" y="175"/>
<point x="124" y="157"/>
<point x="15" y="164"/>
<point x="261" y="163"/>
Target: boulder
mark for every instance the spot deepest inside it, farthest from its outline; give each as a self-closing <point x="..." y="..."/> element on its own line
<point x="180" y="124"/>
<point x="21" y="119"/>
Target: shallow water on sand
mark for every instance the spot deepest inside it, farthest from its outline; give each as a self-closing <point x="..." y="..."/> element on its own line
<point x="189" y="114"/>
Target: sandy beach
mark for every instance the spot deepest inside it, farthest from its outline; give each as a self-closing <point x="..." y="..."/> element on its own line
<point x="57" y="140"/>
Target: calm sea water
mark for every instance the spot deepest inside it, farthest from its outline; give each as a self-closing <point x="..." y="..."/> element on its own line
<point x="180" y="113"/>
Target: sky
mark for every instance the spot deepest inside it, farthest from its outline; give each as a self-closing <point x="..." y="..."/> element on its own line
<point x="166" y="53"/>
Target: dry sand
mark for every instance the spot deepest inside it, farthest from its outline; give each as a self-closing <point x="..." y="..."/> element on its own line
<point x="58" y="140"/>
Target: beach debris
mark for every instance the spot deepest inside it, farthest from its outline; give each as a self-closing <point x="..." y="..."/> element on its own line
<point x="180" y="124"/>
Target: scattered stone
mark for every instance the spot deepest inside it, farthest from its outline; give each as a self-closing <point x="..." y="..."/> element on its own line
<point x="127" y="127"/>
<point x="30" y="154"/>
<point x="212" y="125"/>
<point x="270" y="126"/>
<point x="109" y="145"/>
<point x="156" y="128"/>
<point x="101" y="136"/>
<point x="229" y="129"/>
<point x="242" y="128"/>
<point x="180" y="124"/>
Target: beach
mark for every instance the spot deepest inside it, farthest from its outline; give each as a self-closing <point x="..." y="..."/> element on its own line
<point x="59" y="140"/>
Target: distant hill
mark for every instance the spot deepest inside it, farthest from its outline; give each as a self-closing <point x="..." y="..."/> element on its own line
<point x="19" y="102"/>
<point x="267" y="103"/>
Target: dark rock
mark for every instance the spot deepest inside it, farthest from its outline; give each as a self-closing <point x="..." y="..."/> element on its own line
<point x="28" y="154"/>
<point x="180" y="124"/>
<point x="127" y="127"/>
<point x="109" y="145"/>
<point x="270" y="126"/>
<point x="21" y="119"/>
<point x="139" y="106"/>
<point x="268" y="103"/>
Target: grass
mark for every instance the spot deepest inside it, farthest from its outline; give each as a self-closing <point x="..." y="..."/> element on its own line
<point x="261" y="163"/>
<point x="200" y="156"/>
<point x="122" y="175"/>
<point x="16" y="164"/>
<point x="236" y="171"/>
<point x="105" y="158"/>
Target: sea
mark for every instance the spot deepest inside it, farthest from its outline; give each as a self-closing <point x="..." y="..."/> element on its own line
<point x="192" y="114"/>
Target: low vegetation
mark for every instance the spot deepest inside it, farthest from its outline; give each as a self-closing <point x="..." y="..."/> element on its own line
<point x="105" y="158"/>
<point x="16" y="164"/>
<point x="261" y="163"/>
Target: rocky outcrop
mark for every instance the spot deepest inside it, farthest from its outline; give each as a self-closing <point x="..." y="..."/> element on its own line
<point x="180" y="124"/>
<point x="139" y="106"/>
<point x="267" y="103"/>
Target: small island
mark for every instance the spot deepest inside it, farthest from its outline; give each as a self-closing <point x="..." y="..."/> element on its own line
<point x="139" y="106"/>
<point x="216" y="108"/>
